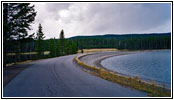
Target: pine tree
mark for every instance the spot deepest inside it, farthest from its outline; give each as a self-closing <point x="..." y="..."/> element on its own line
<point x="66" y="47"/>
<point x="52" y="47"/>
<point x="62" y="43"/>
<point x="62" y="35"/>
<point x="17" y="18"/>
<point x="74" y="48"/>
<point x="40" y="34"/>
<point x="5" y="33"/>
<point x="39" y="41"/>
<point x="58" y="48"/>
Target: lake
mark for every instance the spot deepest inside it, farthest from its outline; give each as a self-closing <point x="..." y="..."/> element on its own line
<point x="148" y="65"/>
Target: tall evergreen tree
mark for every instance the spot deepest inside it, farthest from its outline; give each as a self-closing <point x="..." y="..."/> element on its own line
<point x="39" y="41"/>
<point x="74" y="48"/>
<point x="52" y="47"/>
<point x="40" y="34"/>
<point x="62" y="35"/>
<point x="17" y="18"/>
<point x="66" y="47"/>
<point x="62" y="43"/>
<point x="58" y="48"/>
<point x="5" y="32"/>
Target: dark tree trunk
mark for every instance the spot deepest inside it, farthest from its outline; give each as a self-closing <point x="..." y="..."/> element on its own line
<point x="5" y="33"/>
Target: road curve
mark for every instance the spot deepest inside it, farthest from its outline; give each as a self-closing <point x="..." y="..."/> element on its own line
<point x="62" y="77"/>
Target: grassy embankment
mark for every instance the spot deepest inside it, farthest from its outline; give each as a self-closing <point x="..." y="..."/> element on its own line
<point x="24" y="53"/>
<point x="27" y="53"/>
<point x="97" y="50"/>
<point x="48" y="52"/>
<point x="134" y="82"/>
<point x="23" y="62"/>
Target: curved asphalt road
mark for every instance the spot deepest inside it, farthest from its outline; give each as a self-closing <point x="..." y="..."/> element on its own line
<point x="61" y="77"/>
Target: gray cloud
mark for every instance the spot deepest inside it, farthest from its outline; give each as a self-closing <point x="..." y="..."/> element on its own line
<point x="57" y="6"/>
<point x="103" y="18"/>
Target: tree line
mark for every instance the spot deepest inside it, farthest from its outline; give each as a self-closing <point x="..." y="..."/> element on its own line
<point x="37" y="45"/>
<point x="19" y="46"/>
<point x="131" y="41"/>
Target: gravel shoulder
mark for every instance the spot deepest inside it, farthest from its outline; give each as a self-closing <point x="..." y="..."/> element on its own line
<point x="94" y="59"/>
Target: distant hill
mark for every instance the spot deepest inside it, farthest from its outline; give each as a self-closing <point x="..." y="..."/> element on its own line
<point x="125" y="41"/>
<point x="122" y="36"/>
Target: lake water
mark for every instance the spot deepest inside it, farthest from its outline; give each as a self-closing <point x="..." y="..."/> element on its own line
<point x="151" y="65"/>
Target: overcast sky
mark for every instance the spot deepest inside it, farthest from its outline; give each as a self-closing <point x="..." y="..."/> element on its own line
<point x="102" y="18"/>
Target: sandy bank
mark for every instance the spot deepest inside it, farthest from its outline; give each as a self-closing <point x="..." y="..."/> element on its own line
<point x="94" y="59"/>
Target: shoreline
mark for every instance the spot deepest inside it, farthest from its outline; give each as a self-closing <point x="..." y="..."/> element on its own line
<point x="151" y="87"/>
<point x="97" y="63"/>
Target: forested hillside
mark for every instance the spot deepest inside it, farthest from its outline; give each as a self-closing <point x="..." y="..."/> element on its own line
<point x="129" y="41"/>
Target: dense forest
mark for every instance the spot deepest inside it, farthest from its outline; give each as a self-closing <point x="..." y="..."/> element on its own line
<point x="130" y="41"/>
<point x="127" y="41"/>
<point x="38" y="48"/>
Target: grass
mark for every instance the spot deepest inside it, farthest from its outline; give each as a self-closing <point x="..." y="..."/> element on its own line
<point x="24" y="53"/>
<point x="23" y="62"/>
<point x="134" y="82"/>
<point x="97" y="50"/>
<point x="28" y="53"/>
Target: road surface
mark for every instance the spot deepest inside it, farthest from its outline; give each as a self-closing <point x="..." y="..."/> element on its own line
<point x="62" y="77"/>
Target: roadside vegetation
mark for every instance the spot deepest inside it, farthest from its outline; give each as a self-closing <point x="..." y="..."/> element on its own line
<point x="133" y="82"/>
<point x="96" y="50"/>
<point x="55" y="48"/>
<point x="19" y="46"/>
